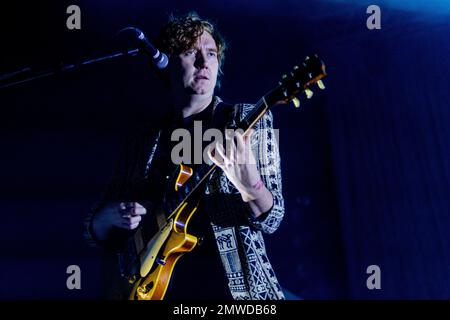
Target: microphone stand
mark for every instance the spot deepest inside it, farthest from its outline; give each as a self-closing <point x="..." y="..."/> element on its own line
<point x="10" y="79"/>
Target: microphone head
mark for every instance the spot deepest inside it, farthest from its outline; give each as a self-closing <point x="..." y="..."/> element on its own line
<point x="159" y="59"/>
<point x="163" y="62"/>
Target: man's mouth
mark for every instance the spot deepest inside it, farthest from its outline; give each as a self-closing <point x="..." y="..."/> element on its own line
<point x="200" y="77"/>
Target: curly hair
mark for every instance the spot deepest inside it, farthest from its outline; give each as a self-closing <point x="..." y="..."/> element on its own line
<point x="181" y="33"/>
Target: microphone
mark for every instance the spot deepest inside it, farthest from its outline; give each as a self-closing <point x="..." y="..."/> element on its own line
<point x="159" y="59"/>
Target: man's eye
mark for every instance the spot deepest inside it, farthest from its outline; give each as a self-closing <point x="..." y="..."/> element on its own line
<point x="189" y="52"/>
<point x="212" y="54"/>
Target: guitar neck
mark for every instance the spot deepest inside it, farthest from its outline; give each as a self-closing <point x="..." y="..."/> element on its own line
<point x="253" y="116"/>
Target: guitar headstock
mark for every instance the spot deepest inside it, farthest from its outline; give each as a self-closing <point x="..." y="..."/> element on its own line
<point x="299" y="80"/>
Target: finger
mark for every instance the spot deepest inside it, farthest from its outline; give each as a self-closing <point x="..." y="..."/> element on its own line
<point x="134" y="219"/>
<point x="131" y="208"/>
<point x="130" y="205"/>
<point x="134" y="226"/>
<point x="217" y="163"/>
<point x="126" y="206"/>
<point x="221" y="152"/>
<point x="213" y="158"/>
<point x="130" y="226"/>
<point x="209" y="153"/>
<point x="131" y="220"/>
<point x="138" y="209"/>
<point x="138" y="205"/>
<point x="231" y="146"/>
<point x="248" y="137"/>
<point x="247" y="156"/>
<point x="240" y="143"/>
<point x="242" y="149"/>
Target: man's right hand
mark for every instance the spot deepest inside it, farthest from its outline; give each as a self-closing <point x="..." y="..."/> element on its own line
<point x="126" y="215"/>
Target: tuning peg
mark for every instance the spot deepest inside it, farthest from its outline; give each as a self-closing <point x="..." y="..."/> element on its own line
<point x="308" y="93"/>
<point x="283" y="77"/>
<point x="296" y="102"/>
<point x="320" y="85"/>
<point x="295" y="67"/>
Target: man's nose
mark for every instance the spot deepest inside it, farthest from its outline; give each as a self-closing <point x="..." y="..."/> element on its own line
<point x="200" y="59"/>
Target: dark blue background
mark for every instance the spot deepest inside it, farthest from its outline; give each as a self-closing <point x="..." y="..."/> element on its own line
<point x="365" y="163"/>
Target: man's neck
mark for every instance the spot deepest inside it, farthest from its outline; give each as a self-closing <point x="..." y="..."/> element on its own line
<point x="195" y="104"/>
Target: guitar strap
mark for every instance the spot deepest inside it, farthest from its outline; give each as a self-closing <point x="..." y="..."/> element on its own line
<point x="223" y="116"/>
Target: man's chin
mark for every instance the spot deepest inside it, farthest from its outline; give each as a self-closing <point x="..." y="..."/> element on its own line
<point x="200" y="91"/>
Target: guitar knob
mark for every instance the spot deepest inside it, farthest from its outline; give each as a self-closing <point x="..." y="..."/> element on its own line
<point x="160" y="261"/>
<point x="320" y="85"/>
<point x="296" y="102"/>
<point x="144" y="289"/>
<point x="308" y="93"/>
<point x="132" y="279"/>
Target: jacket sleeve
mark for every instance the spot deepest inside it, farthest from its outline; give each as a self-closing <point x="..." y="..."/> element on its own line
<point x="111" y="192"/>
<point x="265" y="148"/>
<point x="119" y="188"/>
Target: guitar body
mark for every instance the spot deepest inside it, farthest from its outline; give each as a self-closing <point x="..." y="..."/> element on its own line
<point x="155" y="284"/>
<point x="158" y="265"/>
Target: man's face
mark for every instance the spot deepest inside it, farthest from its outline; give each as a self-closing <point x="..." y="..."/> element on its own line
<point x="198" y="67"/>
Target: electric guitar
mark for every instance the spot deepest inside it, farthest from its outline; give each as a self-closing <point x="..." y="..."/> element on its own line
<point x="154" y="249"/>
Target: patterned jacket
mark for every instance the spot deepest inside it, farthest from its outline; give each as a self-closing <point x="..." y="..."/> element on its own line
<point x="239" y="235"/>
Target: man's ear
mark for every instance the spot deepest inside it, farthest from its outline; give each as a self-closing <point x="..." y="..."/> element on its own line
<point x="218" y="82"/>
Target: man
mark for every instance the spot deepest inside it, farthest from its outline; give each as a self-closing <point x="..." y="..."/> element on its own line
<point x="241" y="201"/>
